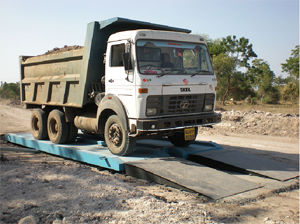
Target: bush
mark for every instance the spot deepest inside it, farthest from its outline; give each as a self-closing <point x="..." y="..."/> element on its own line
<point x="10" y="90"/>
<point x="290" y="91"/>
<point x="272" y="97"/>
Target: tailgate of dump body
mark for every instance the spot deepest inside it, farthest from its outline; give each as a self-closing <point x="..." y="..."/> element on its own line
<point x="52" y="79"/>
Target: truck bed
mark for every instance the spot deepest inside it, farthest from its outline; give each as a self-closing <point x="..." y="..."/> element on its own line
<point x="49" y="79"/>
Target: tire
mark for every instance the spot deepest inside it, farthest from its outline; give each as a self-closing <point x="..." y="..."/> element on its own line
<point x="58" y="129"/>
<point x="177" y="138"/>
<point x="116" y="137"/>
<point x="73" y="131"/>
<point x="39" y="124"/>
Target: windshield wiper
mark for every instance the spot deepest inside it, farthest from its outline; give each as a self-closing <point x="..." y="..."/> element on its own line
<point x="170" y="71"/>
<point x="199" y="71"/>
<point x="163" y="73"/>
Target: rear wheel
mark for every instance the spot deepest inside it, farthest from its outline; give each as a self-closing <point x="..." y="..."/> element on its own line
<point x="58" y="130"/>
<point x="178" y="139"/>
<point x="116" y="137"/>
<point x="39" y="124"/>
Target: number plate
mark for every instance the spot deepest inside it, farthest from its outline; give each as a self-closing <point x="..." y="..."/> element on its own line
<point x="189" y="134"/>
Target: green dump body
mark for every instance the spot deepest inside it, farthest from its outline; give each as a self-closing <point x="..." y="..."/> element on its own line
<point x="69" y="78"/>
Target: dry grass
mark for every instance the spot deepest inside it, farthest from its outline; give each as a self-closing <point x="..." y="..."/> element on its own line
<point x="285" y="108"/>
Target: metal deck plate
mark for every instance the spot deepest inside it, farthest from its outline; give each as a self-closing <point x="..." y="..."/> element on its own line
<point x="181" y="173"/>
<point x="88" y="152"/>
<point x="254" y="163"/>
<point x="92" y="151"/>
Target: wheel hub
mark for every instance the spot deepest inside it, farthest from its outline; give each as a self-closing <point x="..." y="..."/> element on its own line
<point x="53" y="126"/>
<point x="115" y="134"/>
<point x="36" y="124"/>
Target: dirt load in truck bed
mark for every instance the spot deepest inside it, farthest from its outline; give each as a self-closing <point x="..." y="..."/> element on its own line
<point x="63" y="49"/>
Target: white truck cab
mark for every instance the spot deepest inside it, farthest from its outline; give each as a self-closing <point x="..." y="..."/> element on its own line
<point x="167" y="84"/>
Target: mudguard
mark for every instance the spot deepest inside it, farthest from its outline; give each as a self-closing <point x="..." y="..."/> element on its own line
<point x="111" y="104"/>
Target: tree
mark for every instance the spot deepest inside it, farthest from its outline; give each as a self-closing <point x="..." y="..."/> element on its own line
<point x="224" y="67"/>
<point x="241" y="87"/>
<point x="292" y="64"/>
<point x="262" y="79"/>
<point x="231" y="58"/>
<point x="215" y="47"/>
<point x="290" y="91"/>
<point x="240" y="49"/>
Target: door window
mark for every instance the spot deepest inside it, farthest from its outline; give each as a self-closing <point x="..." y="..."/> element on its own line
<point x="117" y="55"/>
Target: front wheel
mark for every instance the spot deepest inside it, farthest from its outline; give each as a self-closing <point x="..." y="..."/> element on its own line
<point x="116" y="137"/>
<point x="178" y="138"/>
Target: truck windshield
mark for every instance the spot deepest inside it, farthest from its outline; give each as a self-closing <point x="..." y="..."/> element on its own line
<point x="171" y="57"/>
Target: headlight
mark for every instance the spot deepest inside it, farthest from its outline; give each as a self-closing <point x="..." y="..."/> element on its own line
<point x="208" y="107"/>
<point x="151" y="111"/>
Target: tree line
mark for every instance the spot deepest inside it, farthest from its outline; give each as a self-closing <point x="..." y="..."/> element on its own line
<point x="243" y="76"/>
<point x="9" y="90"/>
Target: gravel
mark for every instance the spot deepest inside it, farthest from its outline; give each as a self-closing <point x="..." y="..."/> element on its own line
<point x="255" y="122"/>
<point x="49" y="189"/>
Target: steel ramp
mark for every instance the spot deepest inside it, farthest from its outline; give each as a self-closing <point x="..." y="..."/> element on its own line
<point x="249" y="162"/>
<point x="187" y="175"/>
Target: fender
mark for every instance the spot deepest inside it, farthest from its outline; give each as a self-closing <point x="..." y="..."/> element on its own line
<point x="113" y="104"/>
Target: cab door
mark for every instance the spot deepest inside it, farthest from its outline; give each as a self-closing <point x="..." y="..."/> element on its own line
<point x="117" y="81"/>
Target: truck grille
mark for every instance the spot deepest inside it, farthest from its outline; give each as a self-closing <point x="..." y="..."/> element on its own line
<point x="180" y="104"/>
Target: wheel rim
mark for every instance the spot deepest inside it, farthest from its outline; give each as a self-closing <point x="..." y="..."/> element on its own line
<point x="53" y="126"/>
<point x="115" y="135"/>
<point x="35" y="124"/>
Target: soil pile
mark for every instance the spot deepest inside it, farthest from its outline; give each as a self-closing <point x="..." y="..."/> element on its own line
<point x="256" y="122"/>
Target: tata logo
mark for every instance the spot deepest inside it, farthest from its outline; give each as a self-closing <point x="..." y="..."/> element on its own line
<point x="184" y="104"/>
<point x="185" y="81"/>
<point x="185" y="89"/>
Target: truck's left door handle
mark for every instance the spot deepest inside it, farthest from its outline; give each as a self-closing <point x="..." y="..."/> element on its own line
<point x="111" y="80"/>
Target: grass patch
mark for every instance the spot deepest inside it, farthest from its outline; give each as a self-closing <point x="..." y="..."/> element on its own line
<point x="284" y="108"/>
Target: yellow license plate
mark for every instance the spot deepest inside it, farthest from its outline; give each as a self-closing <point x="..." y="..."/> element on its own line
<point x="189" y="134"/>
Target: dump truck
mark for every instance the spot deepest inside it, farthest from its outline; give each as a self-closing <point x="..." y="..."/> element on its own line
<point x="130" y="80"/>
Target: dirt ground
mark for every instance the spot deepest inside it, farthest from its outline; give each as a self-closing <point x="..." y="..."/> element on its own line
<point x="39" y="188"/>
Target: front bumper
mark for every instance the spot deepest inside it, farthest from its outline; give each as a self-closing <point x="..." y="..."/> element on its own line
<point x="178" y="122"/>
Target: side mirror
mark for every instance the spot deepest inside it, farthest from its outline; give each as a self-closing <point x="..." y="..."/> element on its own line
<point x="127" y="61"/>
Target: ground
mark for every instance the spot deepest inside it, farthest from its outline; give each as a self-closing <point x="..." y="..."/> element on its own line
<point x="49" y="189"/>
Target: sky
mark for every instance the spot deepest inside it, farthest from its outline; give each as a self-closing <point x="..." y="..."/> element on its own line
<point x="33" y="27"/>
